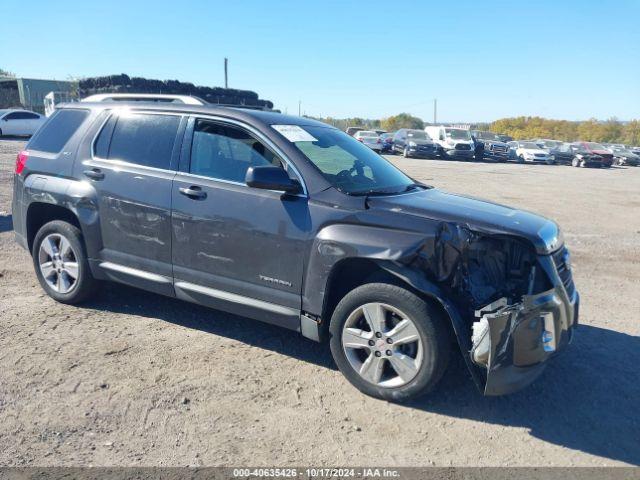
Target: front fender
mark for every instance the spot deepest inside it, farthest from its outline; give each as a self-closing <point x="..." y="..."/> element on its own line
<point x="394" y="251"/>
<point x="336" y="243"/>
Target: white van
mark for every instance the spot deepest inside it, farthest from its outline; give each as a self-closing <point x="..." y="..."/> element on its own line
<point x="453" y="142"/>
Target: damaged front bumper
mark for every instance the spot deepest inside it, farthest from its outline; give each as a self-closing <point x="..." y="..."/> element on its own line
<point x="512" y="342"/>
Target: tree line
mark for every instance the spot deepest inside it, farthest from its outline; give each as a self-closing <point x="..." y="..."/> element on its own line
<point x="609" y="131"/>
<point x="520" y="128"/>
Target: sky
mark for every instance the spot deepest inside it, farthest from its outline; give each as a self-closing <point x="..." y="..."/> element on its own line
<point x="482" y="60"/>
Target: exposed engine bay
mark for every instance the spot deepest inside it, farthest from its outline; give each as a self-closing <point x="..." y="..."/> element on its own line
<point x="503" y="288"/>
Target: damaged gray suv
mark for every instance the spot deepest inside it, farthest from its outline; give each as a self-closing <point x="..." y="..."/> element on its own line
<point x="292" y="222"/>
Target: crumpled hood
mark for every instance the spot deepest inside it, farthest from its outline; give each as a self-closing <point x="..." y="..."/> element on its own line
<point x="479" y="215"/>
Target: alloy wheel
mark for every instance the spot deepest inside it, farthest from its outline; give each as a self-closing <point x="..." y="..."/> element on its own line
<point x="382" y="344"/>
<point x="58" y="263"/>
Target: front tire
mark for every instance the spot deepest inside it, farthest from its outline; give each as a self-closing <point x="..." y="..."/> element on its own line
<point x="405" y="152"/>
<point x="60" y="262"/>
<point x="388" y="342"/>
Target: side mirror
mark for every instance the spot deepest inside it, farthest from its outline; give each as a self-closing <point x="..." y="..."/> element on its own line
<point x="271" y="178"/>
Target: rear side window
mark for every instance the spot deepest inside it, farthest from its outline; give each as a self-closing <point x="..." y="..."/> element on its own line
<point x="143" y="139"/>
<point x="54" y="135"/>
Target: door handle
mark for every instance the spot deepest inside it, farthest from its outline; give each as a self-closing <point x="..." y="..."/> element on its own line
<point x="193" y="192"/>
<point x="94" y="174"/>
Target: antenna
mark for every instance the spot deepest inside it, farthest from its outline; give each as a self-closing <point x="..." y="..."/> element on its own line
<point x="226" y="82"/>
<point x="435" y="111"/>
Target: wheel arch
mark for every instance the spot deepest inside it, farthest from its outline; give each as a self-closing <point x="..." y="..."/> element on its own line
<point x="48" y="198"/>
<point x="41" y="213"/>
<point x="346" y="256"/>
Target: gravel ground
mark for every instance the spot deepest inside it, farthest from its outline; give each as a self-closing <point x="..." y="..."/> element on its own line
<point x="133" y="378"/>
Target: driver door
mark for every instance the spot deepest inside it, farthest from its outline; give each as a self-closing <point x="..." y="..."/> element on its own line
<point x="234" y="247"/>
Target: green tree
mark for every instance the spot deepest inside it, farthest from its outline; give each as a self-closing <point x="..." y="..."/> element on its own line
<point x="402" y="120"/>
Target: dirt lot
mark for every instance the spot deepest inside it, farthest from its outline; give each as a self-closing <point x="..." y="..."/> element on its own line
<point x="137" y="379"/>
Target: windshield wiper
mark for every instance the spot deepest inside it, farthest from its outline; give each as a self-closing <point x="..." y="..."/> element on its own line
<point x="379" y="193"/>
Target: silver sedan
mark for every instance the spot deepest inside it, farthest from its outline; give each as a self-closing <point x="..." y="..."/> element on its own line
<point x="370" y="138"/>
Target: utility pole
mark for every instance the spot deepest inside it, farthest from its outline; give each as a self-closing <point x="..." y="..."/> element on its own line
<point x="226" y="78"/>
<point x="435" y="111"/>
<point x="299" y="107"/>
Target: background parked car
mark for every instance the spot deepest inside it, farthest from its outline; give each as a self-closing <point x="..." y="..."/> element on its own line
<point x="20" y="122"/>
<point x="563" y="153"/>
<point x="547" y="144"/>
<point x="596" y="149"/>
<point x="370" y="138"/>
<point x="530" y="152"/>
<point x="414" y="143"/>
<point x="624" y="156"/>
<point x="504" y="138"/>
<point x="494" y="148"/>
<point x="352" y="130"/>
<point x="387" y="142"/>
<point x="452" y="142"/>
<point x="571" y="154"/>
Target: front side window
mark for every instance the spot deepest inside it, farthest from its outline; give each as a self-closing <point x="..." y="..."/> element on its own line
<point x="226" y="152"/>
<point x="348" y="165"/>
<point x="143" y="139"/>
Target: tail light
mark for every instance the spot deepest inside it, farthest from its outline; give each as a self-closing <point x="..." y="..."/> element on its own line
<point x="21" y="161"/>
<point x="360" y="139"/>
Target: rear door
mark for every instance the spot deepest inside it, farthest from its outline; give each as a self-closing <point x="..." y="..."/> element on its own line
<point x="235" y="247"/>
<point x="133" y="162"/>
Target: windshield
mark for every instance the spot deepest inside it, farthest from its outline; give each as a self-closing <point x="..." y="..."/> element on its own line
<point x="595" y="146"/>
<point x="458" y="134"/>
<point x="417" y="135"/>
<point x="348" y="165"/>
<point x="487" y="136"/>
<point x="529" y="145"/>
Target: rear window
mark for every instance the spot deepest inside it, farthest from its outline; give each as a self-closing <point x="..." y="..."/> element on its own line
<point x="54" y="135"/>
<point x="143" y="139"/>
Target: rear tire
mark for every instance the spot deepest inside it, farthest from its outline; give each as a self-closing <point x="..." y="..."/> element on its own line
<point x="60" y="262"/>
<point x="413" y="357"/>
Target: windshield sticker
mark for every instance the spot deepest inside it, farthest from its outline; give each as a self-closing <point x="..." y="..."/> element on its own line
<point x="294" y="133"/>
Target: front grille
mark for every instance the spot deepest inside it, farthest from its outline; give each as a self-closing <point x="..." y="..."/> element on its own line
<point x="426" y="148"/>
<point x="564" y="270"/>
<point x="539" y="155"/>
<point x="463" y="146"/>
